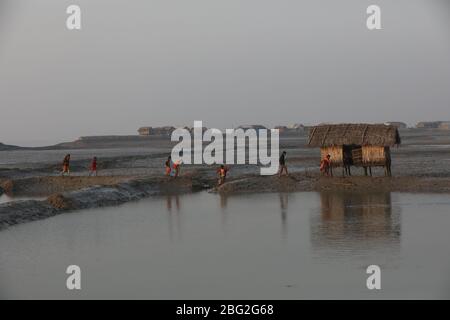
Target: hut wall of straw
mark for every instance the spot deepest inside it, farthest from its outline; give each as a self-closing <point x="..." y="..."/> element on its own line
<point x="374" y="155"/>
<point x="336" y="153"/>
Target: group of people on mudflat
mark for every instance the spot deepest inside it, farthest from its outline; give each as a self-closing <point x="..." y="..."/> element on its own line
<point x="172" y="169"/>
<point x="325" y="165"/>
<point x="66" y="166"/>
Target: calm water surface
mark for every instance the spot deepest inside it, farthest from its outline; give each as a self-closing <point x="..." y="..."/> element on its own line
<point x="4" y="198"/>
<point x="206" y="246"/>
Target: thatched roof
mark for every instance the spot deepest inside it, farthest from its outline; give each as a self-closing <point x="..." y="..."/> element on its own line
<point x="358" y="134"/>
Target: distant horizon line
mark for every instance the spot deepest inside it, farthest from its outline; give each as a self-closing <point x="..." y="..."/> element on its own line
<point x="45" y="142"/>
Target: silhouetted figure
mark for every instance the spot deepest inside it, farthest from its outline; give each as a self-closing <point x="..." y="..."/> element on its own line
<point x="282" y="162"/>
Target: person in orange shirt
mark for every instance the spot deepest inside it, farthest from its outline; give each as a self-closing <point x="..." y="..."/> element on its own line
<point x="66" y="165"/>
<point x="325" y="165"/>
<point x="222" y="173"/>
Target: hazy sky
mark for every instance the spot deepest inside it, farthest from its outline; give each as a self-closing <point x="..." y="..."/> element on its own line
<point x="226" y="62"/>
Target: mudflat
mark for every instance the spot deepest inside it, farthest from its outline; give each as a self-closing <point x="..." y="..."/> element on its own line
<point x="420" y="164"/>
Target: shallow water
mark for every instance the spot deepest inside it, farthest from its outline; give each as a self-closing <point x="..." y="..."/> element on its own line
<point x="274" y="246"/>
<point x="4" y="198"/>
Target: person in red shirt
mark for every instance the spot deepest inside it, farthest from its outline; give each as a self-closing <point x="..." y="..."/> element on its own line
<point x="325" y="166"/>
<point x="93" y="167"/>
<point x="176" y="168"/>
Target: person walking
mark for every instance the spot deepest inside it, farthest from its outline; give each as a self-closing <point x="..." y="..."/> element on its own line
<point x="222" y="173"/>
<point x="282" y="162"/>
<point x="167" y="165"/>
<point x="93" y="167"/>
<point x="176" y="168"/>
<point x="66" y="165"/>
<point x="325" y="166"/>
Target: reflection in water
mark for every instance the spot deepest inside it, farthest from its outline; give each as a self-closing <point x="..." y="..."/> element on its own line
<point x="356" y="221"/>
<point x="169" y="202"/>
<point x="284" y="210"/>
<point x="172" y="216"/>
<point x="223" y="206"/>
<point x="284" y="200"/>
<point x="223" y="200"/>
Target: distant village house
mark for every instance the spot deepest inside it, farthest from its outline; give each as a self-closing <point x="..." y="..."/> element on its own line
<point x="428" y="125"/>
<point x="444" y="125"/>
<point x="156" y="131"/>
<point x="399" y="125"/>
<point x="291" y="129"/>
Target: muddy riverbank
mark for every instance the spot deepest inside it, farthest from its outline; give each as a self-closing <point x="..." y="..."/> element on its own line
<point x="45" y="186"/>
<point x="301" y="182"/>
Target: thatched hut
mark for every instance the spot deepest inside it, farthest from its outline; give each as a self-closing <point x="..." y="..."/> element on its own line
<point x="363" y="145"/>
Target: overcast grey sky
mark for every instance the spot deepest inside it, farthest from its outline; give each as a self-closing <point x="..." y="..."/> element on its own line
<point x="226" y="62"/>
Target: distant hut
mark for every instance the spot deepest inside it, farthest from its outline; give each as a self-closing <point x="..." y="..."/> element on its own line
<point x="293" y="129"/>
<point x="156" y="131"/>
<point x="256" y="127"/>
<point x="363" y="145"/>
<point x="145" y="131"/>
<point x="297" y="126"/>
<point x="428" y="124"/>
<point x="445" y="125"/>
<point x="399" y="125"/>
